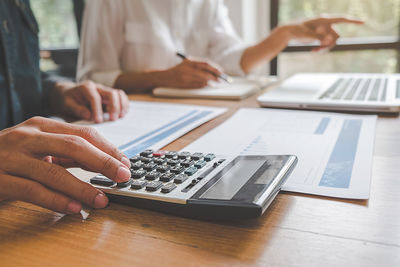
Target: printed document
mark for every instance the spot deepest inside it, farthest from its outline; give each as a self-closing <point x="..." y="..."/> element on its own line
<point x="334" y="150"/>
<point x="150" y="125"/>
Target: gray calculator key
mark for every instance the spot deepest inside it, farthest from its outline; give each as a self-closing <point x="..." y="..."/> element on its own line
<point x="172" y="162"/>
<point x="159" y="161"/>
<point x="125" y="184"/>
<point x="180" y="178"/>
<point x="154" y="175"/>
<point x="150" y="166"/>
<point x="197" y="156"/>
<point x="163" y="168"/>
<point x="171" y="154"/>
<point x="138" y="174"/>
<point x="167" y="177"/>
<point x="190" y="171"/>
<point x="147" y="153"/>
<point x="209" y="157"/>
<point x="154" y="186"/>
<point x="200" y="164"/>
<point x="146" y="160"/>
<point x="168" y="188"/>
<point x="102" y="180"/>
<point x="177" y="169"/>
<point x="137" y="166"/>
<point x="138" y="184"/>
<point x="184" y="155"/>
<point x="135" y="159"/>
<point x="187" y="163"/>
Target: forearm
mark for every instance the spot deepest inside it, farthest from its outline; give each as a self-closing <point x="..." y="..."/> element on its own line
<point x="265" y="50"/>
<point x="140" y="82"/>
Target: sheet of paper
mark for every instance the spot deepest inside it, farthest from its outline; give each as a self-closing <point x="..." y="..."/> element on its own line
<point x="334" y="150"/>
<point x="150" y="125"/>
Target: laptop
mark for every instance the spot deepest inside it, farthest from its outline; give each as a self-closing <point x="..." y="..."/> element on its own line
<point x="376" y="93"/>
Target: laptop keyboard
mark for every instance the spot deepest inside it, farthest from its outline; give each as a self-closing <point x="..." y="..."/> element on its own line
<point x="359" y="89"/>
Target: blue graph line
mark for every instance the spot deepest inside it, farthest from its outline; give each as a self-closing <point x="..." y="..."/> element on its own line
<point x="340" y="165"/>
<point x="148" y="143"/>
<point x="157" y="130"/>
<point x="322" y="126"/>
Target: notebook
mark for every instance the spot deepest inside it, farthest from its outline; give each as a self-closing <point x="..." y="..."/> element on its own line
<point x="238" y="89"/>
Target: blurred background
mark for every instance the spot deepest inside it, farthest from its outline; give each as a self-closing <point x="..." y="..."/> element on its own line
<point x="374" y="47"/>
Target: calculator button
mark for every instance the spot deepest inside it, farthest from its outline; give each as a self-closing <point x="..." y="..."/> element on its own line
<point x="137" y="166"/>
<point x="102" y="180"/>
<point x="168" y="188"/>
<point x="146" y="160"/>
<point x="197" y="156"/>
<point x="200" y="164"/>
<point x="159" y="153"/>
<point x="167" y="177"/>
<point x="154" y="186"/>
<point x="125" y="184"/>
<point x="150" y="166"/>
<point x="184" y="155"/>
<point x="180" y="178"/>
<point x="138" y="174"/>
<point x="171" y="154"/>
<point x="159" y="161"/>
<point x="177" y="169"/>
<point x="209" y="157"/>
<point x="187" y="163"/>
<point x="135" y="159"/>
<point x="147" y="153"/>
<point x="190" y="171"/>
<point x="163" y="168"/>
<point x="152" y="176"/>
<point x="138" y="184"/>
<point x="172" y="162"/>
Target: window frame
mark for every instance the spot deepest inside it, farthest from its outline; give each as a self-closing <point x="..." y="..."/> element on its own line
<point x="344" y="44"/>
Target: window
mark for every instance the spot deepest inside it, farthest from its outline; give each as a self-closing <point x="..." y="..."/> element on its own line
<point x="58" y="36"/>
<point x="377" y="42"/>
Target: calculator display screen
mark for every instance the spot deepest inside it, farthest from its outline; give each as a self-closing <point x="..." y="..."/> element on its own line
<point x="233" y="179"/>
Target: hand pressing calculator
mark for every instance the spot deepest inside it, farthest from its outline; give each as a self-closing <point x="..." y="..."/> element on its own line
<point x="201" y="185"/>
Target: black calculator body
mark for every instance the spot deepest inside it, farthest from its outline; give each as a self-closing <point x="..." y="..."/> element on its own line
<point x="201" y="185"/>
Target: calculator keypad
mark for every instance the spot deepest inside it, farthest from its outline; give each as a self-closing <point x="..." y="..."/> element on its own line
<point x="163" y="172"/>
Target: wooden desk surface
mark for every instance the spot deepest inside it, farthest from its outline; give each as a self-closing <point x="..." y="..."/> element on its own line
<point x="296" y="230"/>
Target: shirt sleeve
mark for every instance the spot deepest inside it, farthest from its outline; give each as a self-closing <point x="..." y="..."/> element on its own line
<point x="225" y="48"/>
<point x="102" y="41"/>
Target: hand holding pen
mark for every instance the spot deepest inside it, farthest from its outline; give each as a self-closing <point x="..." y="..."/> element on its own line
<point x="207" y="67"/>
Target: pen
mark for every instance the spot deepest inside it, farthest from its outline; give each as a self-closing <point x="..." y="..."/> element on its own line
<point x="223" y="76"/>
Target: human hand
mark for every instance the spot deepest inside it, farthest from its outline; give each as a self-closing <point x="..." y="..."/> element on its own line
<point x="35" y="153"/>
<point x="191" y="74"/>
<point x="321" y="29"/>
<point x="85" y="100"/>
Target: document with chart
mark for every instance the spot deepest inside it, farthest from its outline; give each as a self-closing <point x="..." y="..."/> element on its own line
<point x="334" y="150"/>
<point x="150" y="125"/>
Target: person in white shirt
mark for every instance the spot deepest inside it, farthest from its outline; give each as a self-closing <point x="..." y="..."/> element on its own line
<point x="132" y="44"/>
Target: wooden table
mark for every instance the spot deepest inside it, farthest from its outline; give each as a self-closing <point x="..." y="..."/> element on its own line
<point x="296" y="230"/>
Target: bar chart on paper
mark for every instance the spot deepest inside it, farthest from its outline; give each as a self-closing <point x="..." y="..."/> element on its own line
<point x="334" y="150"/>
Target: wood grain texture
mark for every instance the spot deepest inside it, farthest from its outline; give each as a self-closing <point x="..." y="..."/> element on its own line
<point x="297" y="230"/>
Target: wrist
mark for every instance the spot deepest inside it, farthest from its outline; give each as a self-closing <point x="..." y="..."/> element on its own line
<point x="284" y="32"/>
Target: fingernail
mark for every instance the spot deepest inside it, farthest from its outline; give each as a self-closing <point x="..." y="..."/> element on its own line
<point x="123" y="174"/>
<point x="99" y="119"/>
<point x="100" y="201"/>
<point x="126" y="162"/>
<point x="74" y="207"/>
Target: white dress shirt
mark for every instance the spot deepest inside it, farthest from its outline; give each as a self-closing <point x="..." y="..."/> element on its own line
<point x="144" y="35"/>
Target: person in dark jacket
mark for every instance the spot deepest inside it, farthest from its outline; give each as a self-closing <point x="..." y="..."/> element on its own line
<point x="34" y="151"/>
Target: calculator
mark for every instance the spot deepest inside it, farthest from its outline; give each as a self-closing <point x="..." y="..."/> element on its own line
<point x="201" y="185"/>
